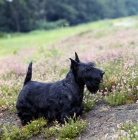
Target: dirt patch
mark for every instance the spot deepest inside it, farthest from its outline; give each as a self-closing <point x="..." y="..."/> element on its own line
<point x="102" y="121"/>
<point x="9" y="118"/>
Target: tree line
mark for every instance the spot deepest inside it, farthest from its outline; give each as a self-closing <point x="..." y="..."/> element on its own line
<point x="27" y="15"/>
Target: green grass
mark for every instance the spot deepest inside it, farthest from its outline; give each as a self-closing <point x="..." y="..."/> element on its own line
<point x="42" y="38"/>
<point x="9" y="45"/>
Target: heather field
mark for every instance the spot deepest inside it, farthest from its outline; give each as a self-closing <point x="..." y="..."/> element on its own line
<point x="111" y="44"/>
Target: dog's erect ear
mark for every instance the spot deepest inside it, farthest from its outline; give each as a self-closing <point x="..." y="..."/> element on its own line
<point x="76" y="58"/>
<point x="74" y="65"/>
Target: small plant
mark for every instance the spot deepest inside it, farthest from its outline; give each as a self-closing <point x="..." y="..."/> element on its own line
<point x="10" y="133"/>
<point x="118" y="96"/>
<point x="67" y="131"/>
<point x="48" y="132"/>
<point x="14" y="133"/>
<point x="8" y="96"/>
<point x="71" y="129"/>
<point x="127" y="131"/>
<point x="89" y="100"/>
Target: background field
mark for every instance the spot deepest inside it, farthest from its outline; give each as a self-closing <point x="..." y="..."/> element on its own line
<point x="111" y="44"/>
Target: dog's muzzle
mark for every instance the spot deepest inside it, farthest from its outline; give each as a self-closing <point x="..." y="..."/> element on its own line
<point x="102" y="73"/>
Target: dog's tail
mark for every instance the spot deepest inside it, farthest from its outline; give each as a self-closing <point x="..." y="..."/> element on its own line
<point x="29" y="74"/>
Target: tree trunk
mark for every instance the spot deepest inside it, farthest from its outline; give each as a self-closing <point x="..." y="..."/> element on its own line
<point x="16" y="16"/>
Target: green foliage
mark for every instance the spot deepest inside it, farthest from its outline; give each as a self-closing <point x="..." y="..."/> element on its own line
<point x="101" y="34"/>
<point x="120" y="84"/>
<point x="127" y="131"/>
<point x="42" y="38"/>
<point x="2" y="35"/>
<point x="112" y="76"/>
<point x="53" y="52"/>
<point x="69" y="14"/>
<point x="89" y="100"/>
<point x="25" y="16"/>
<point x="52" y="131"/>
<point x="52" y="25"/>
<point x="67" y="131"/>
<point x="14" y="133"/>
<point x="71" y="129"/>
<point x="118" y="97"/>
<point x="8" y="96"/>
<point x="11" y="133"/>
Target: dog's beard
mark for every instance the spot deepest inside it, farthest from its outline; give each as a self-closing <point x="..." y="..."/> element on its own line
<point x="92" y="86"/>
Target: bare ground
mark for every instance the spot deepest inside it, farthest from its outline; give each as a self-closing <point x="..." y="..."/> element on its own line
<point x="102" y="121"/>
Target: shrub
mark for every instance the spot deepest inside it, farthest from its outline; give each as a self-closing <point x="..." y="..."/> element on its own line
<point x="52" y="25"/>
<point x="127" y="131"/>
<point x="14" y="133"/>
<point x="89" y="100"/>
<point x="71" y="129"/>
<point x="67" y="131"/>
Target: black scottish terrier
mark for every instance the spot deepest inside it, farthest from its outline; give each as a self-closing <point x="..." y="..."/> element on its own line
<point x="58" y="100"/>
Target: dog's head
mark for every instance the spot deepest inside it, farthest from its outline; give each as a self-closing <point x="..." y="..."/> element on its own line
<point x="87" y="73"/>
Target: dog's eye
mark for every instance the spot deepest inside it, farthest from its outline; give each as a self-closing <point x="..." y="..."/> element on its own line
<point x="89" y="68"/>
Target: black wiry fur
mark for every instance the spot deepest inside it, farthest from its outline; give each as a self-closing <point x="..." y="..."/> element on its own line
<point x="29" y="74"/>
<point x="57" y="100"/>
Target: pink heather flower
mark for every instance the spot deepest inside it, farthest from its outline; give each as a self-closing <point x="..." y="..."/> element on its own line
<point x="113" y="86"/>
<point x="114" y="90"/>
<point x="125" y="66"/>
<point x="129" y="90"/>
<point x="118" y="84"/>
<point x="137" y="87"/>
<point x="105" y="93"/>
<point x="100" y="93"/>
<point x="131" y="63"/>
